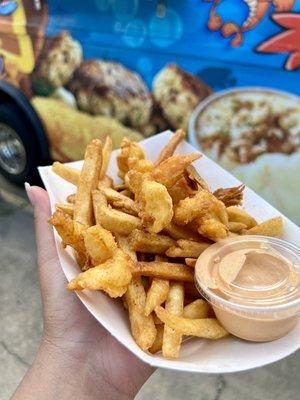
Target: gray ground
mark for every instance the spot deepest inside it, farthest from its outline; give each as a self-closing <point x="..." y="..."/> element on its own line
<point x="20" y="327"/>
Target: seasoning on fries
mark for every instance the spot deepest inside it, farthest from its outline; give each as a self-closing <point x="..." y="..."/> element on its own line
<point x="140" y="239"/>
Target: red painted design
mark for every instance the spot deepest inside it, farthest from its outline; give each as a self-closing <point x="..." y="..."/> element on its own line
<point x="287" y="41"/>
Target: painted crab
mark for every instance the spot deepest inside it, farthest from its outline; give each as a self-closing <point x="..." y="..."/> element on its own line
<point x="257" y="11"/>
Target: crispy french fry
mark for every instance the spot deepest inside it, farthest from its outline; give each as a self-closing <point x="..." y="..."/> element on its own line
<point x="106" y="152"/>
<point x="181" y="232"/>
<point x="118" y="200"/>
<point x="187" y="248"/>
<point x="99" y="243"/>
<point x="146" y="242"/>
<point x="114" y="220"/>
<point x="125" y="246"/>
<point x="197" y="309"/>
<point x="71" y="198"/>
<point x="67" y="173"/>
<point x="158" y="342"/>
<point x="174" y="305"/>
<point x="165" y="270"/>
<point x="106" y="181"/>
<point x="142" y="326"/>
<point x="170" y="147"/>
<point x="230" y="196"/>
<point x="157" y="294"/>
<point x="88" y="180"/>
<point x="208" y="328"/>
<point x="191" y="262"/>
<point x="236" y="214"/>
<point x="236" y="226"/>
<point x="66" y="208"/>
<point x="113" y="276"/>
<point x="156" y="206"/>
<point x="271" y="227"/>
<point x="169" y="171"/>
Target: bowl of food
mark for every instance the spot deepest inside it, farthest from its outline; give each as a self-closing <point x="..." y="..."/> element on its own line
<point x="255" y="133"/>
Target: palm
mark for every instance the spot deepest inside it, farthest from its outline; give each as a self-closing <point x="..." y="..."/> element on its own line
<point x="69" y="326"/>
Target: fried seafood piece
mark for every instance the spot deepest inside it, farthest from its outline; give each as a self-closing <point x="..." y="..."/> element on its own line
<point x="207" y="211"/>
<point x="108" y="88"/>
<point x="113" y="276"/>
<point x="231" y="196"/>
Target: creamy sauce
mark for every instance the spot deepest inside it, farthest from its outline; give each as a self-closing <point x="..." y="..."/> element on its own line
<point x="245" y="280"/>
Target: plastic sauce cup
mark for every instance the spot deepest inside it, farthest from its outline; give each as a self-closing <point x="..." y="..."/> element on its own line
<point x="253" y="285"/>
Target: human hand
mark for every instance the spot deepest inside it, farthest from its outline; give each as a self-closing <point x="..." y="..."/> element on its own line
<point x="104" y="367"/>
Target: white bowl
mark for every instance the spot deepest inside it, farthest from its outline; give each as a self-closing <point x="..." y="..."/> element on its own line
<point x="192" y="131"/>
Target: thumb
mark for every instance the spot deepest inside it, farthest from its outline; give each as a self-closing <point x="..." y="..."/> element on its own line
<point x="48" y="262"/>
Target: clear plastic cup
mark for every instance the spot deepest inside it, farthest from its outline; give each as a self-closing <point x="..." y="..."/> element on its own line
<point x="253" y="285"/>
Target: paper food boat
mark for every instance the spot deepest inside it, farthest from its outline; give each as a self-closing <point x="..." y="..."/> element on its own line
<point x="197" y="355"/>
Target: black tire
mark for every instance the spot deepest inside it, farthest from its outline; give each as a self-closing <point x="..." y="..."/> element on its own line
<point x="18" y="146"/>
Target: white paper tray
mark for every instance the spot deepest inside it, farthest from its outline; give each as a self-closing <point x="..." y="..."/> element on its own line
<point x="197" y="355"/>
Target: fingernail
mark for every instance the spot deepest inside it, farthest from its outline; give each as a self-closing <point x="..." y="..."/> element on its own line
<point x="30" y="194"/>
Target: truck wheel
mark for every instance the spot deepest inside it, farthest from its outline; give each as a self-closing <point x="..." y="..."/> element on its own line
<point x="18" y="147"/>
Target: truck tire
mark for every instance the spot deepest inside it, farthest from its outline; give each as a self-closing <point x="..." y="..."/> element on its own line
<point x="18" y="146"/>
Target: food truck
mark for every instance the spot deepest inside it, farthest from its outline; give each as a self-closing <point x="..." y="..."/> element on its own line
<point x="225" y="71"/>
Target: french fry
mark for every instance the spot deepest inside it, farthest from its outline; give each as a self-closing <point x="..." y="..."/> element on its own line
<point x="208" y="328"/>
<point x="142" y="326"/>
<point x="236" y="214"/>
<point x="236" y="226"/>
<point x="106" y="152"/>
<point x="146" y="242"/>
<point x="271" y="227"/>
<point x="181" y="232"/>
<point x="66" y="208"/>
<point x="99" y="243"/>
<point x="88" y="180"/>
<point x="187" y="248"/>
<point x="158" y="342"/>
<point x="157" y="294"/>
<point x="67" y="173"/>
<point x="197" y="309"/>
<point x="191" y="262"/>
<point x="170" y="147"/>
<point x="113" y="276"/>
<point x="174" y="305"/>
<point x="113" y="220"/>
<point x="125" y="246"/>
<point x="106" y="181"/>
<point x="165" y="270"/>
<point x="156" y="206"/>
<point x="169" y="171"/>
